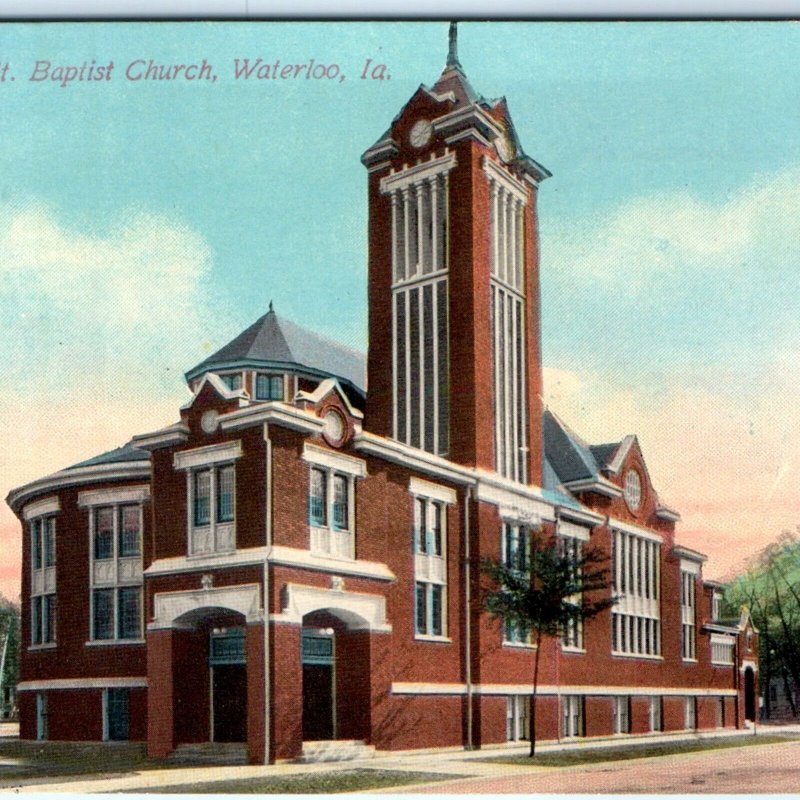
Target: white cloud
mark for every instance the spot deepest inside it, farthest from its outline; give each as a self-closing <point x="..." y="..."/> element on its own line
<point x="728" y="463"/>
<point x="102" y="303"/>
<point x="675" y="234"/>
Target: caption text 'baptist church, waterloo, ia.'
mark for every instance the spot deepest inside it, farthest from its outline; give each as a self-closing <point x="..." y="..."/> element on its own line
<point x="296" y="561"/>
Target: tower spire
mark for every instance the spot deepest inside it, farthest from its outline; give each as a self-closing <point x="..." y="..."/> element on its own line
<point x="452" y="51"/>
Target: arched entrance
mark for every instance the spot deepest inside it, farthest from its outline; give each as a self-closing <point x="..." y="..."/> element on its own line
<point x="749" y="694"/>
<point x="210" y="676"/>
<point x="335" y="656"/>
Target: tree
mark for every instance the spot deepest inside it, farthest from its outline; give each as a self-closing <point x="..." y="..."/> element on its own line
<point x="770" y="589"/>
<point x="9" y="650"/>
<point x="543" y="588"/>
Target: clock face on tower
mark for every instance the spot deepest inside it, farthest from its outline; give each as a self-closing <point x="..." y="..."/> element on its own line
<point x="421" y="133"/>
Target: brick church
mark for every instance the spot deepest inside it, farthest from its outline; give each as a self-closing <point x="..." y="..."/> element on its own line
<point x="296" y="560"/>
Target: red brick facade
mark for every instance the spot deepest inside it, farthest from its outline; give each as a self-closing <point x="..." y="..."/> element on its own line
<point x="255" y="585"/>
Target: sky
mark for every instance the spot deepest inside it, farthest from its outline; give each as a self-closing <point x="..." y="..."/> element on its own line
<point x="145" y="223"/>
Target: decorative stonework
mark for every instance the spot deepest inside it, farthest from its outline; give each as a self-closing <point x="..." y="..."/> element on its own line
<point x="171" y="606"/>
<point x="360" y="611"/>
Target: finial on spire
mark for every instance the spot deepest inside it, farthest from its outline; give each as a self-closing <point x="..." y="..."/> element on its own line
<point x="452" y="51"/>
<point x="270" y="305"/>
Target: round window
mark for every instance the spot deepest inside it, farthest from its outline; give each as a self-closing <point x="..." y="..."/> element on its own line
<point x="633" y="490"/>
<point x="334" y="427"/>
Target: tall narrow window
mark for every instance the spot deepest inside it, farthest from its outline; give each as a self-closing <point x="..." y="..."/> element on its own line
<point x="572" y="635"/>
<point x="572" y="715"/>
<point x="622" y="714"/>
<point x="130" y="539"/>
<point x="341" y="513"/>
<point x="419" y="304"/>
<point x="318" y="500"/>
<point x="43" y="580"/>
<point x="269" y="387"/>
<point x="225" y="486"/>
<point x="636" y="618"/>
<point x="507" y="210"/>
<point x="688" y="638"/>
<point x="202" y="497"/>
<point x="430" y="566"/>
<point x="515" y="553"/>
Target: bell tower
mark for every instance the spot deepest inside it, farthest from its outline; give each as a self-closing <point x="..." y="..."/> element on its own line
<point x="454" y="364"/>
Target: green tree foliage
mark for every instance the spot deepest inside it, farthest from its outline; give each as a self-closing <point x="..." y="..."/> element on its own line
<point x="770" y="589"/>
<point x="543" y="591"/>
<point x="9" y="642"/>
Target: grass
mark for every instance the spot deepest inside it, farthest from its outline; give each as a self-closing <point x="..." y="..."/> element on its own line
<point x="352" y="780"/>
<point x="21" y="760"/>
<point x="594" y="755"/>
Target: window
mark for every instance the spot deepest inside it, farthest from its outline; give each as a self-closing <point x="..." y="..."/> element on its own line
<point x="211" y="497"/>
<point x="688" y="640"/>
<point x="421" y="387"/>
<point x="716" y="605"/>
<point x="233" y="380"/>
<point x="43" y="619"/>
<point x="689" y="713"/>
<point x="622" y="714"/>
<point x="116" y="704"/>
<point x="331" y="501"/>
<point x="115" y="532"/>
<point x="722" y="650"/>
<point x="572" y="715"/>
<point x="318" y="501"/>
<point x="720" y="717"/>
<point x="656" y="715"/>
<point x="269" y="387"/>
<point x="507" y="224"/>
<point x="572" y="636"/>
<point x="518" y="724"/>
<point x="43" y="580"/>
<point x="515" y="553"/>
<point x="41" y="716"/>
<point x="429" y="542"/>
<point x="636" y="624"/>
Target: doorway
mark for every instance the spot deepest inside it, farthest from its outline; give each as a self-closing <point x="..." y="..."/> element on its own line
<point x="228" y="685"/>
<point x="749" y="694"/>
<point x="318" y="685"/>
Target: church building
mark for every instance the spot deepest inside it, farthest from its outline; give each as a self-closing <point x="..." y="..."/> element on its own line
<point x="294" y="565"/>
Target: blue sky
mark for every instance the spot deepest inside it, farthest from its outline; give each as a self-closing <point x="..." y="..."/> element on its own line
<point x="143" y="224"/>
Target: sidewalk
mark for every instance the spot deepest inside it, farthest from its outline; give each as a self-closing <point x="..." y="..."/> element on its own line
<point x="452" y="763"/>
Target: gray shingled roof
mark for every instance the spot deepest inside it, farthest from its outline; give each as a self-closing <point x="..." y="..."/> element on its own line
<point x="603" y="453"/>
<point x="120" y="454"/>
<point x="273" y="341"/>
<point x="570" y="457"/>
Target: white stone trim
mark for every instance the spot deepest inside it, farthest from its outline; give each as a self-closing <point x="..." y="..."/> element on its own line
<point x="403" y="687"/>
<point x="622" y="451"/>
<point x="273" y="412"/>
<point x="244" y="598"/>
<point x="499" y="491"/>
<point x="692" y="567"/>
<point x="572" y="531"/>
<point x="404" y="178"/>
<point x="82" y="683"/>
<point x="41" y="508"/>
<point x="220" y="387"/>
<point x="599" y="485"/>
<point x="432" y="491"/>
<point x="238" y="558"/>
<point x="295" y="557"/>
<point x="174" y="434"/>
<point x="400" y="687"/>
<point x="329" y="459"/>
<point x="361" y="611"/>
<point x="77" y="476"/>
<point x="114" y="496"/>
<point x="494" y="172"/>
<point x="398" y="453"/>
<point x="208" y="455"/>
<point x="689" y="555"/>
<point x="635" y="530"/>
<point x="748" y="663"/>
<point x="323" y="390"/>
